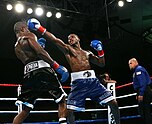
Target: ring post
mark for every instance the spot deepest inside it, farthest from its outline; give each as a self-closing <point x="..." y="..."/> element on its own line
<point x="18" y="93"/>
<point x="111" y="87"/>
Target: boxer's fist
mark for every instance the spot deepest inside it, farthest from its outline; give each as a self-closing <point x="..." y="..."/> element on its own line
<point x="34" y="24"/>
<point x="42" y="42"/>
<point x="97" y="45"/>
<point x="61" y="70"/>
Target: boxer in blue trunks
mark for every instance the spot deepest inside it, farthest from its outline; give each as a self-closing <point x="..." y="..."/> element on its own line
<point x="39" y="74"/>
<point x="84" y="83"/>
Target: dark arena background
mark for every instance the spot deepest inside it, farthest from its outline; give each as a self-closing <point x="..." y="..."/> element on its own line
<point x="125" y="32"/>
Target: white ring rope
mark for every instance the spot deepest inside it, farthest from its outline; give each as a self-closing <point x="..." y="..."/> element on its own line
<point x="54" y="111"/>
<point x="41" y="99"/>
<point x="8" y="99"/>
<point x="133" y="94"/>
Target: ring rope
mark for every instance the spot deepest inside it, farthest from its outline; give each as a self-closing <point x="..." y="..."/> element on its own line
<point x="124" y="85"/>
<point x="66" y="87"/>
<point x="46" y="99"/>
<point x="133" y="94"/>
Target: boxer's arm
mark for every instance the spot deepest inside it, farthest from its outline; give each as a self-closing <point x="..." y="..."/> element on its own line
<point x="58" y="42"/>
<point x="30" y="36"/>
<point x="40" y="51"/>
<point x="99" y="61"/>
<point x="58" y="68"/>
<point x="34" y="24"/>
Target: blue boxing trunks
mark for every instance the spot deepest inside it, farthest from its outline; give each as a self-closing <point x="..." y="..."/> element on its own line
<point x="84" y="84"/>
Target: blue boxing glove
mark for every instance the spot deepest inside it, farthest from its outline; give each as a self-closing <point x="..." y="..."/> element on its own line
<point x="61" y="70"/>
<point x="34" y="24"/>
<point x="42" y="42"/>
<point x="97" y="45"/>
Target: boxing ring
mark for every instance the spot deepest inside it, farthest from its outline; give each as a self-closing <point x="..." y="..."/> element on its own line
<point x="94" y="112"/>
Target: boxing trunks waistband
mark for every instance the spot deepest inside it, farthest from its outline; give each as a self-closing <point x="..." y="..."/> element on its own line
<point x="83" y="75"/>
<point x="34" y="65"/>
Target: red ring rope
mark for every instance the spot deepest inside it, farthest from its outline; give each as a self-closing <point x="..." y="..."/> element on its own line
<point x="124" y="85"/>
<point x="16" y="85"/>
<point x="10" y="85"/>
<point x="65" y="87"/>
